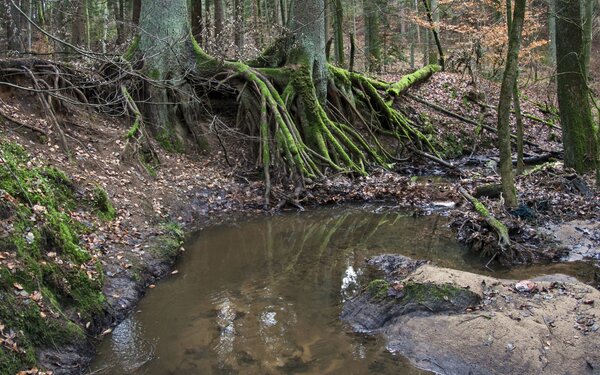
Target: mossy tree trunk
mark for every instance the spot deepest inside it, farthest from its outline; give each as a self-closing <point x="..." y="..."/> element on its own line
<point x="579" y="138"/>
<point x="166" y="56"/>
<point x="506" y="94"/>
<point x="338" y="32"/>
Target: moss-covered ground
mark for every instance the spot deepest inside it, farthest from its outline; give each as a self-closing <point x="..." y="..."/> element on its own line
<point x="50" y="285"/>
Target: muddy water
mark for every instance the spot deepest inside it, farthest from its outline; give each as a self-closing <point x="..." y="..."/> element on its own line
<point x="264" y="296"/>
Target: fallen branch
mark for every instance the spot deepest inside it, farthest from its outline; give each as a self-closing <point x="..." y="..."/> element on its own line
<point x="463" y="119"/>
<point x="23" y="124"/>
<point x="499" y="228"/>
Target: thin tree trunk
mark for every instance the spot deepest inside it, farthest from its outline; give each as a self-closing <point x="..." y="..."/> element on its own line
<point x="339" y="32"/>
<point x="506" y="94"/>
<point x="258" y="32"/>
<point x="117" y="9"/>
<point x="588" y="19"/>
<point x="372" y="42"/>
<point x="552" y="30"/>
<point x="238" y="15"/>
<point x="219" y="28"/>
<point x="516" y="100"/>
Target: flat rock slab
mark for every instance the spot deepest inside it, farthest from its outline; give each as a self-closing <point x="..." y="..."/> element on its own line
<point x="554" y="329"/>
<point x="580" y="237"/>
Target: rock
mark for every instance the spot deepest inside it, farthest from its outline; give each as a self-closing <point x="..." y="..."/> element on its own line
<point x="525" y="286"/>
<point x="440" y="324"/>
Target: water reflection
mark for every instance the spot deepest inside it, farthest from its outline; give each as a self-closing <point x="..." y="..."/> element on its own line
<point x="264" y="297"/>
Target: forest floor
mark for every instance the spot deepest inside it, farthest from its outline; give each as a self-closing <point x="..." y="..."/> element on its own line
<point x="190" y="192"/>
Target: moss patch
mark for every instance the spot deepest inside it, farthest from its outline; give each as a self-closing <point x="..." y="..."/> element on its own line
<point x="378" y="289"/>
<point x="102" y="204"/>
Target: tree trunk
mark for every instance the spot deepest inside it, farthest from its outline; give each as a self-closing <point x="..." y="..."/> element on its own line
<point x="339" y="32"/>
<point x="219" y="27"/>
<point x="372" y="42"/>
<point x="307" y="21"/>
<point x="552" y="30"/>
<point x="135" y="17"/>
<point x="257" y="20"/>
<point x="164" y="45"/>
<point x="13" y="29"/>
<point x="117" y="9"/>
<point x="77" y="25"/>
<point x="506" y="94"/>
<point x="588" y="20"/>
<point x="197" y="21"/>
<point x="579" y="138"/>
<point x="238" y="16"/>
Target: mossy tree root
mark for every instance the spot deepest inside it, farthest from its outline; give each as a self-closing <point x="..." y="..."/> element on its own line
<point x="303" y="137"/>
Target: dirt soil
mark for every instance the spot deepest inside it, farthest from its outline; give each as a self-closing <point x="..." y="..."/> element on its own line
<point x="199" y="190"/>
<point x="548" y="325"/>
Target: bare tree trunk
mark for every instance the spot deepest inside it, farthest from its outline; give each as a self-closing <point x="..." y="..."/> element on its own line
<point x="552" y="30"/>
<point x="339" y="32"/>
<point x="506" y="93"/>
<point x="117" y="9"/>
<point x="239" y="25"/>
<point x="13" y="29"/>
<point x="135" y="18"/>
<point x="77" y="25"/>
<point x="588" y="19"/>
<point x="219" y="27"/>
<point x="197" y="21"/>
<point x="372" y="41"/>
<point x="579" y="138"/>
<point x="258" y="32"/>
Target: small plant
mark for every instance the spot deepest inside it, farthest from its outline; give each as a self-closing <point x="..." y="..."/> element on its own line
<point x="102" y="203"/>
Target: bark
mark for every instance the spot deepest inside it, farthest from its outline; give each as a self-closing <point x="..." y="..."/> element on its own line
<point x="256" y="12"/>
<point x="239" y="24"/>
<point x="506" y="94"/>
<point x="339" y="32"/>
<point x="307" y="21"/>
<point x="13" y="29"/>
<point x="168" y="106"/>
<point x="579" y="138"/>
<point x="219" y="26"/>
<point x="197" y="21"/>
<point x="137" y="8"/>
<point x="588" y="19"/>
<point x="552" y="30"/>
<point x="372" y="40"/>
<point x="117" y="9"/>
<point x="77" y="25"/>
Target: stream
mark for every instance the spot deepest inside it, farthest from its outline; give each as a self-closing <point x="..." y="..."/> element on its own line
<point x="264" y="295"/>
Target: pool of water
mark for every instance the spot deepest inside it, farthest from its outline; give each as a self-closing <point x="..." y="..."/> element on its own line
<point x="263" y="296"/>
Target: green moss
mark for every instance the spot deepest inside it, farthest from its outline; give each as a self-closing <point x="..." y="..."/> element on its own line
<point x="168" y="243"/>
<point x="429" y="293"/>
<point x="128" y="55"/>
<point x="102" y="204"/>
<point x="169" y="141"/>
<point x="378" y="289"/>
<point x="42" y="199"/>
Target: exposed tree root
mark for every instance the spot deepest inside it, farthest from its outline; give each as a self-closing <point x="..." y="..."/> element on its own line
<point x="300" y="136"/>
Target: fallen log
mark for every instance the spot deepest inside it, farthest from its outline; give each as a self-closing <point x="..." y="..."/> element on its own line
<point x="408" y="80"/>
